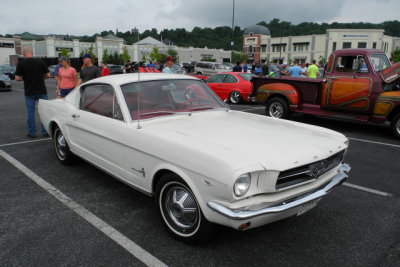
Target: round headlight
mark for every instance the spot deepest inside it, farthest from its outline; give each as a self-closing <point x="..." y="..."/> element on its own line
<point x="242" y="185"/>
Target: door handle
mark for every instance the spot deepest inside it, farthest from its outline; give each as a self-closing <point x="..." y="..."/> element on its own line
<point x="75" y="116"/>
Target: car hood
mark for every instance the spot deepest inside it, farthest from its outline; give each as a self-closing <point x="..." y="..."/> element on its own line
<point x="247" y="139"/>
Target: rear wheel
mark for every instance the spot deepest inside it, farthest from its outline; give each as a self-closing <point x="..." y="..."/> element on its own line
<point x="277" y="108"/>
<point x="235" y="97"/>
<point x="180" y="212"/>
<point x="61" y="147"/>
<point x="395" y="125"/>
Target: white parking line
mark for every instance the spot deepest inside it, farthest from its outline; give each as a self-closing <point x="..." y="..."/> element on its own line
<point x="18" y="90"/>
<point x="369" y="190"/>
<point x="108" y="230"/>
<point x="25" y="142"/>
<point x="373" y="142"/>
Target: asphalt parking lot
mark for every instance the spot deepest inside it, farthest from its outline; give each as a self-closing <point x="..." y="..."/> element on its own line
<point x="79" y="215"/>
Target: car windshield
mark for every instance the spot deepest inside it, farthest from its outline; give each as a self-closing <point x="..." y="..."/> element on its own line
<point x="246" y="76"/>
<point x="150" y="99"/>
<point x="380" y="61"/>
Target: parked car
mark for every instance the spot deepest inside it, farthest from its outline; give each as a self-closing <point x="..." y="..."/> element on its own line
<point x="172" y="138"/>
<point x="208" y="68"/>
<point x="177" y="69"/>
<point x="8" y="70"/>
<point x="229" y="66"/>
<point x="232" y="86"/>
<point x="5" y="82"/>
<point x="188" y="67"/>
<point x="51" y="70"/>
<point x="115" y="69"/>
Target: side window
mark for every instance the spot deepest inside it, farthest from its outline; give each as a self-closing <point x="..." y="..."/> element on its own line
<point x="345" y="64"/>
<point x="219" y="78"/>
<point x="230" y="79"/>
<point x="100" y="99"/>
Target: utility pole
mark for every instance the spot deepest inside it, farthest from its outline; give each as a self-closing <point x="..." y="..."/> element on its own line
<point x="233" y="20"/>
<point x="280" y="51"/>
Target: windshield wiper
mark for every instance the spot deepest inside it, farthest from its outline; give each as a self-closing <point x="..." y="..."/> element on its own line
<point x="202" y="107"/>
<point x="158" y="112"/>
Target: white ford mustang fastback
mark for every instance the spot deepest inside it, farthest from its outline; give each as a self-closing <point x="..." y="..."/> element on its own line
<point x="171" y="137"/>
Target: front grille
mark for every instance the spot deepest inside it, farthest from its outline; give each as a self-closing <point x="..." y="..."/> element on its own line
<point x="2" y="84"/>
<point x="305" y="173"/>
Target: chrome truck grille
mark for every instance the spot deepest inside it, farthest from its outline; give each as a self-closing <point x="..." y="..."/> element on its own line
<point x="307" y="173"/>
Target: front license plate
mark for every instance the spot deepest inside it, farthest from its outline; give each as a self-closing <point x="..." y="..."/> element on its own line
<point x="307" y="206"/>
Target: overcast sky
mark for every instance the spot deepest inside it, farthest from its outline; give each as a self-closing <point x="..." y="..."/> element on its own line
<point x="87" y="17"/>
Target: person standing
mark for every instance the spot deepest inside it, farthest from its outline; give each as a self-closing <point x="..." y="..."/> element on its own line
<point x="104" y="70"/>
<point x="90" y="71"/>
<point x="237" y="68"/>
<point x="68" y="78"/>
<point x="32" y="71"/>
<point x="303" y="70"/>
<point x="128" y="67"/>
<point x="168" y="64"/>
<point x="273" y="70"/>
<point x="312" y="70"/>
<point x="295" y="71"/>
<point x="57" y="67"/>
<point x="245" y="67"/>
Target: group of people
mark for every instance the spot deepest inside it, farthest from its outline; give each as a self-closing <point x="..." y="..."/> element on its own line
<point x="272" y="69"/>
<point x="169" y="61"/>
<point x="33" y="71"/>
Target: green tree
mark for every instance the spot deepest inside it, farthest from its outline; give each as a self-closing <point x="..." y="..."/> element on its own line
<point x="321" y="60"/>
<point x="396" y="55"/>
<point x="90" y="51"/>
<point x="65" y="53"/>
<point x="173" y="54"/>
<point x="125" y="57"/>
<point x="209" y="59"/>
<point x="238" y="57"/>
<point x="144" y="59"/>
<point x="106" y="56"/>
<point x="155" y="56"/>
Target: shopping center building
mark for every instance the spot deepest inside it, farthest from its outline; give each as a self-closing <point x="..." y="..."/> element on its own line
<point x="51" y="47"/>
<point x="261" y="47"/>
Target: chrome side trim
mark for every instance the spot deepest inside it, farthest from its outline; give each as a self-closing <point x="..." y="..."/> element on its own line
<point x="242" y="214"/>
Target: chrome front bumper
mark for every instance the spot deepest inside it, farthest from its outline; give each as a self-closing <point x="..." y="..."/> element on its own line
<point x="244" y="214"/>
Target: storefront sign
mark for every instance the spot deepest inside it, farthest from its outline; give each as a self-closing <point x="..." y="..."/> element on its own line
<point x="69" y="49"/>
<point x="7" y="45"/>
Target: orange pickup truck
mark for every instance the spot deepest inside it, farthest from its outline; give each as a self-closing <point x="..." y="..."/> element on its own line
<point x="358" y="84"/>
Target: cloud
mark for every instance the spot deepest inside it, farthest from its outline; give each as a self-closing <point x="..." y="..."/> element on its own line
<point x="93" y="16"/>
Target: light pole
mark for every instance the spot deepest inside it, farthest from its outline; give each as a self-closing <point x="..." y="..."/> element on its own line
<point x="233" y="20"/>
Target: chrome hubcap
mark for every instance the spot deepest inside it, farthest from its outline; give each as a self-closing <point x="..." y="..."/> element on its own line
<point x="276" y="110"/>
<point x="235" y="96"/>
<point x="397" y="126"/>
<point x="61" y="144"/>
<point x="181" y="207"/>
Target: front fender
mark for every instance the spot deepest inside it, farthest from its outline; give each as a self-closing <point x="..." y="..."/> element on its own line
<point x="288" y="91"/>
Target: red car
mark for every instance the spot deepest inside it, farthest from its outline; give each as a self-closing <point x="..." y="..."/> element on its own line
<point x="234" y="86"/>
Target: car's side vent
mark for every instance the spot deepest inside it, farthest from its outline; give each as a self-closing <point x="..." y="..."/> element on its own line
<point x="307" y="173"/>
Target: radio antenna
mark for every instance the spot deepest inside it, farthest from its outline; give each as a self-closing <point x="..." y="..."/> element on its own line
<point x="138" y="102"/>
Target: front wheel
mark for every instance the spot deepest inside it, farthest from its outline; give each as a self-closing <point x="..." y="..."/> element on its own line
<point x="277" y="108"/>
<point x="395" y="125"/>
<point x="235" y="97"/>
<point x="180" y="212"/>
<point x="61" y="147"/>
